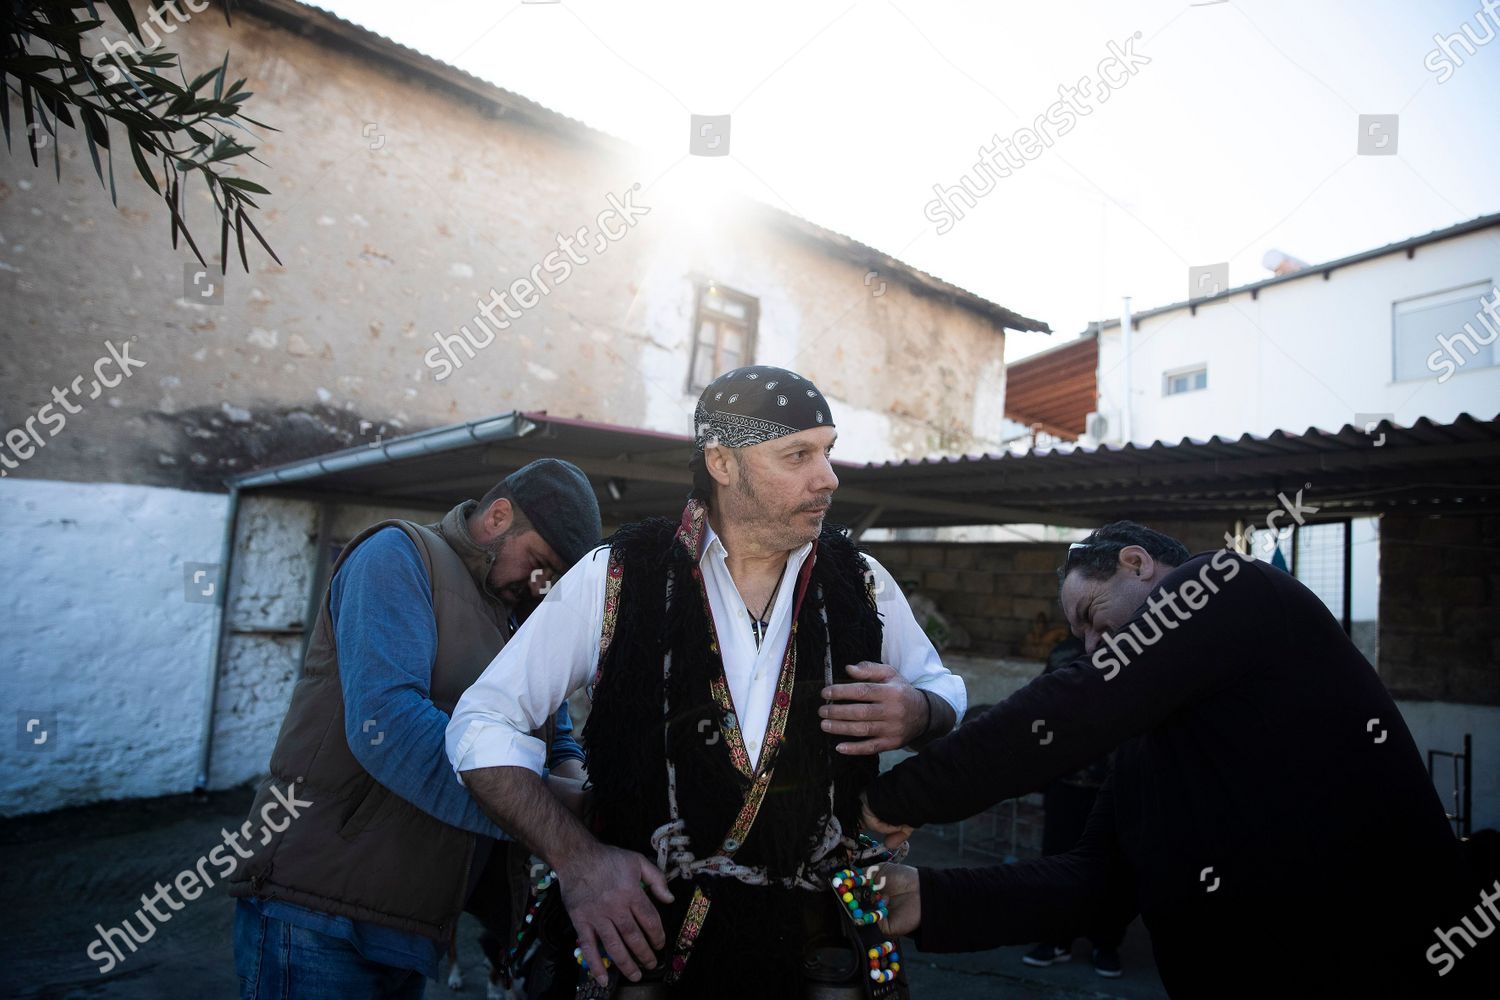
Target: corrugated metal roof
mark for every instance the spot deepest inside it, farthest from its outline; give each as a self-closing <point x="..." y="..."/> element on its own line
<point x="1429" y="467"/>
<point x="1448" y="468"/>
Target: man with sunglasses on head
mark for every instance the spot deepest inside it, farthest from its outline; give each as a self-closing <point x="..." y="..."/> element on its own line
<point x="1265" y="789"/>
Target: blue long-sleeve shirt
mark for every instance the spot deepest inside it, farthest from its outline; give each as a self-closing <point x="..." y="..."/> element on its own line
<point x="380" y="604"/>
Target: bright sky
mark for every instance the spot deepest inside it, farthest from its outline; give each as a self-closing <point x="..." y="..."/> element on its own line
<point x="1237" y="137"/>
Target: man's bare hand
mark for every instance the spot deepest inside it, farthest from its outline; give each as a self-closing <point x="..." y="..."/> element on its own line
<point x="602" y="891"/>
<point x="882" y="709"/>
<point x="894" y="835"/>
<point x="904" y="897"/>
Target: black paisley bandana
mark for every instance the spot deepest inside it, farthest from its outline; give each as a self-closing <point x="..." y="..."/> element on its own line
<point x="748" y="406"/>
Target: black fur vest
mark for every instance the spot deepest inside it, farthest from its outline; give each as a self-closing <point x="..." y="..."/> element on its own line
<point x="624" y="740"/>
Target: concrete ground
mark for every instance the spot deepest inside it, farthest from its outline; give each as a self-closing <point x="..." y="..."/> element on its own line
<point x="63" y="873"/>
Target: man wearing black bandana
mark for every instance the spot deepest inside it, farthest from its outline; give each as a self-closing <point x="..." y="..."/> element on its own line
<point x="747" y="665"/>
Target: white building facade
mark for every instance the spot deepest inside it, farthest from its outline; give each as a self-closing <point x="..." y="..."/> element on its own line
<point x="1396" y="333"/>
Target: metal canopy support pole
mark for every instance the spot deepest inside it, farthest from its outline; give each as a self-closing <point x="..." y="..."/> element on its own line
<point x="1348" y="616"/>
<point x="221" y="639"/>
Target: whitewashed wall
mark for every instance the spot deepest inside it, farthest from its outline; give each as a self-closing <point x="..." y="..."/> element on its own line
<point x="100" y="642"/>
<point x="1340" y="333"/>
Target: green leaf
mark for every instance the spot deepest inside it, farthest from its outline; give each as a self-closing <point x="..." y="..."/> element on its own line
<point x="140" y="162"/>
<point x="30" y="118"/>
<point x="239" y="235"/>
<point x="201" y="79"/>
<point x="125" y="15"/>
<point x="178" y="222"/>
<point x="91" y="123"/>
<point x="16" y="65"/>
<point x="171" y="197"/>
<point x="262" y="240"/>
<point x="94" y="126"/>
<point x="219" y="83"/>
<point x="5" y="115"/>
<point x="159" y="81"/>
<point x="240" y="182"/>
<point x="223" y="243"/>
<point x="58" y="107"/>
<point x="114" y="198"/>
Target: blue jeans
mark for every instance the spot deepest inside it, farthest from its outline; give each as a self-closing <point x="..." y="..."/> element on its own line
<point x="276" y="960"/>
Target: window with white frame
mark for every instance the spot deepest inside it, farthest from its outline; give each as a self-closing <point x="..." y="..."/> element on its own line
<point x="1428" y="335"/>
<point x="1175" y="383"/>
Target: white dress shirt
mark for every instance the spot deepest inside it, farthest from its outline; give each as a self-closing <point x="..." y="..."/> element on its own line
<point x="557" y="651"/>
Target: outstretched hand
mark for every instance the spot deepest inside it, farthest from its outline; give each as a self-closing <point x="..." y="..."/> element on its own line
<point x="881" y="708"/>
<point x="903" y="898"/>
<point x="893" y="835"/>
<point x="604" y="896"/>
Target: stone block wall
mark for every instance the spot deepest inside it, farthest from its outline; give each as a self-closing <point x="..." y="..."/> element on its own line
<point x="1440" y="608"/>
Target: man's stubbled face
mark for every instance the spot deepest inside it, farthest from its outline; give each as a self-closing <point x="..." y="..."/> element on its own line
<point x="1094" y="608"/>
<point x="524" y="567"/>
<point x="781" y="490"/>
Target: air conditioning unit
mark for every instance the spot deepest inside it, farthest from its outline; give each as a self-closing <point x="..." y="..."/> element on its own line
<point x="1100" y="427"/>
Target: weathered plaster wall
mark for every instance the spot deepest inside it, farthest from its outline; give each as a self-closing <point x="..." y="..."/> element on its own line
<point x="275" y="569"/>
<point x="275" y="557"/>
<point x="396" y="207"/>
<point x="101" y="644"/>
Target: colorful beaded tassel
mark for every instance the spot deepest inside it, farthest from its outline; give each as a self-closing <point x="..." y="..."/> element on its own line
<point x="866" y="905"/>
<point x="583" y="963"/>
<point x="885" y="962"/>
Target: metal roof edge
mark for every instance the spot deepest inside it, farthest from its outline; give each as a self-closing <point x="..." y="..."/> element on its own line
<point x="450" y="437"/>
<point x="1327" y="267"/>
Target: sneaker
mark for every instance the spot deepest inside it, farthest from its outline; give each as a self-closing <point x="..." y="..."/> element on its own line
<point x="1107" y="963"/>
<point x="1044" y="955"/>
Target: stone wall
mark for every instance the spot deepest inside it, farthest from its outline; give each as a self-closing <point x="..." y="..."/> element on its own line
<point x="996" y="590"/>
<point x="993" y="591"/>
<point x="1440" y="608"/>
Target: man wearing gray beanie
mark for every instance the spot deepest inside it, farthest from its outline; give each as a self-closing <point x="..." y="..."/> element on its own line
<point x="358" y="891"/>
